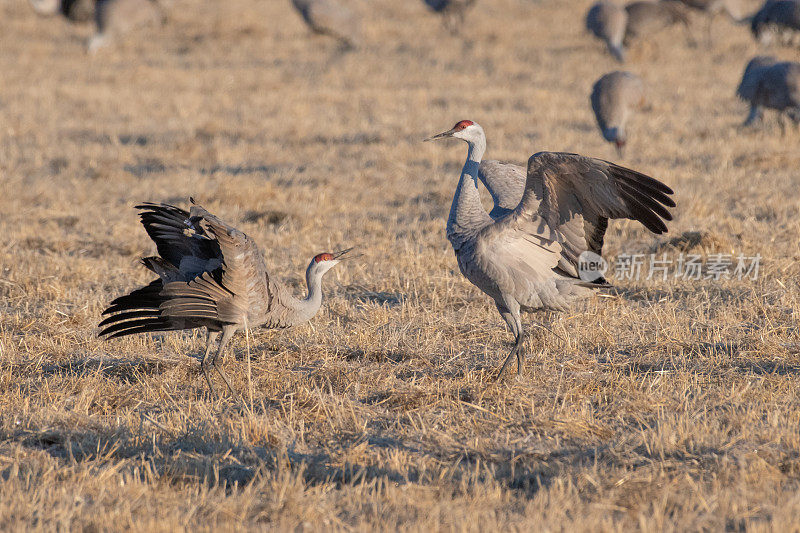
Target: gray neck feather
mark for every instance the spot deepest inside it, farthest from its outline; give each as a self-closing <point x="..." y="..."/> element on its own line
<point x="303" y="310"/>
<point x="466" y="212"/>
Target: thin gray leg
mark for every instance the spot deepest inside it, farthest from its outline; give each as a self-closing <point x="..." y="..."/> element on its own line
<point x="211" y="337"/>
<point x="227" y="333"/>
<point x="709" y="32"/>
<point x="755" y="114"/>
<point x="515" y="325"/>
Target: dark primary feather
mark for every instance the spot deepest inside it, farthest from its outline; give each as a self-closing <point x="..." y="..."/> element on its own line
<point x="136" y="312"/>
<point x="176" y="237"/>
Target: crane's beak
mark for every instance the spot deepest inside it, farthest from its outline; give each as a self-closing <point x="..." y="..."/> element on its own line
<point x="448" y="133"/>
<point x="620" y="148"/>
<point x="339" y="255"/>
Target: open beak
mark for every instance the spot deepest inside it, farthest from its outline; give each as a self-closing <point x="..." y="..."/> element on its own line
<point x="338" y="255"/>
<point x="448" y="133"/>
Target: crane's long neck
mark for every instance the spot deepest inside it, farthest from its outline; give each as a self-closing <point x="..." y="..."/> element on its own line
<point x="467" y="212"/>
<point x="303" y="309"/>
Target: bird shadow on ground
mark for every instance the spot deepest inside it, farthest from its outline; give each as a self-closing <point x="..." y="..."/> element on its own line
<point x="124" y="370"/>
<point x="193" y="456"/>
<point x="363" y="295"/>
<point x="728" y="358"/>
<point x="376" y="356"/>
<point x="720" y="295"/>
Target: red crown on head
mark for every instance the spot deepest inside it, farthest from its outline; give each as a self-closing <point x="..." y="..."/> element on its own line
<point x="463" y="124"/>
<point x="323" y="257"/>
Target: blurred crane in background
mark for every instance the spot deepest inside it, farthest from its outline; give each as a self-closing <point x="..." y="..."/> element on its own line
<point x="332" y="18"/>
<point x="773" y="84"/>
<point x="615" y="96"/>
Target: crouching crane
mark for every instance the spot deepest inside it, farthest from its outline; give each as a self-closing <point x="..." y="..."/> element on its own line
<point x="210" y="275"/>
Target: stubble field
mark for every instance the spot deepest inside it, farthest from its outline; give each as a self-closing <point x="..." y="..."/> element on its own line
<point x="668" y="405"/>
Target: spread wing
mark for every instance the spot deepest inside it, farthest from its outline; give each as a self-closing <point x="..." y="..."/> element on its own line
<point x="576" y="195"/>
<point x="185" y="250"/>
<point x="239" y="288"/>
<point x="209" y="272"/>
<point x="564" y="211"/>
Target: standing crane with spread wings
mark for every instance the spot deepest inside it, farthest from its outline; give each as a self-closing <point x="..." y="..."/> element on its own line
<point x="526" y="257"/>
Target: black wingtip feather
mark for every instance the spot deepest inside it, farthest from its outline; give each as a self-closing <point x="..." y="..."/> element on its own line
<point x="644" y="179"/>
<point x="133" y="331"/>
<point x="644" y="215"/>
<point x="648" y="201"/>
<point x="128" y="315"/>
<point x="656" y="194"/>
<point x="153" y="324"/>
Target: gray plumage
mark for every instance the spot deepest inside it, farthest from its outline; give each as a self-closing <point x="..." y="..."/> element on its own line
<point x="74" y="10"/>
<point x="777" y="20"/>
<point x="505" y="183"/>
<point x="607" y="21"/>
<point x="614" y="98"/>
<point x="453" y="12"/>
<point x="528" y="259"/>
<point x="648" y="18"/>
<point x="117" y="18"/>
<point x="209" y="275"/>
<point x="332" y="18"/>
<point x="773" y="84"/>
<point x="713" y="8"/>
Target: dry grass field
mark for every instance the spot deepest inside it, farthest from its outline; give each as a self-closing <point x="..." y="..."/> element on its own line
<point x="666" y="406"/>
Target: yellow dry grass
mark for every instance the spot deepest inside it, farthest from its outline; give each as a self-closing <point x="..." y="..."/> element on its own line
<point x="672" y="406"/>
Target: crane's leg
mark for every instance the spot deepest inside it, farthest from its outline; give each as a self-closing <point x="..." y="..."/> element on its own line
<point x="709" y="32"/>
<point x="227" y="333"/>
<point x="617" y="51"/>
<point x="204" y="362"/>
<point x="794" y="114"/>
<point x="514" y="322"/>
<point x="755" y="114"/>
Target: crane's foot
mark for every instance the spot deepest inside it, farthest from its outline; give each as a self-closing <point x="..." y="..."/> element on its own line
<point x="516" y="351"/>
<point x="204" y="368"/>
<point x="520" y="361"/>
<point x="225" y="379"/>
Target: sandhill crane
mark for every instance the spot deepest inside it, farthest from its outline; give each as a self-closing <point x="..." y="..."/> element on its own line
<point x="528" y="259"/>
<point x="647" y="18"/>
<point x="766" y="82"/>
<point x="330" y="17"/>
<point x="607" y="21"/>
<point x="452" y="11"/>
<point x="210" y="275"/>
<point x="713" y="8"/>
<point x="74" y="10"/>
<point x="614" y="98"/>
<point x="115" y="18"/>
<point x="777" y="19"/>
